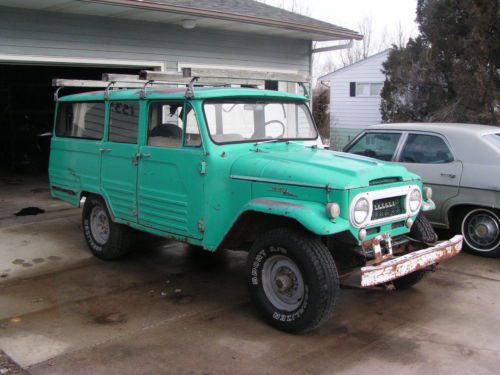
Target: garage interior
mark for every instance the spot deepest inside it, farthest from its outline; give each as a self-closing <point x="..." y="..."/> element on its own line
<point x="27" y="113"/>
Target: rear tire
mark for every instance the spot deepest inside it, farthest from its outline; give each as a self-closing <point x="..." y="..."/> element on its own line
<point x="293" y="280"/>
<point x="106" y="239"/>
<point x="481" y="230"/>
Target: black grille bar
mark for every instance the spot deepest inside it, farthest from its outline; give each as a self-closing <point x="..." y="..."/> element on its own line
<point x="387" y="207"/>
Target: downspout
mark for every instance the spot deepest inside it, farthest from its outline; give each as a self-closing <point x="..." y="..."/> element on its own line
<point x="319" y="50"/>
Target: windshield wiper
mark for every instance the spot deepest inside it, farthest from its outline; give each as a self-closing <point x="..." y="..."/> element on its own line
<point x="288" y="142"/>
<point x="270" y="141"/>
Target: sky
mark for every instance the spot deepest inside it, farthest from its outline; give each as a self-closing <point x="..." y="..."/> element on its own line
<point x="385" y="14"/>
<point x="387" y="18"/>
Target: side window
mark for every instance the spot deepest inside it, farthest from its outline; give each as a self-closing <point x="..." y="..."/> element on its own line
<point x="81" y="120"/>
<point x="165" y="124"/>
<point x="192" y="137"/>
<point x="425" y="149"/>
<point x="376" y="145"/>
<point x="123" y="122"/>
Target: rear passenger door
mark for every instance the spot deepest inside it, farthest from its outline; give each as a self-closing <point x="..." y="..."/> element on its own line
<point x="429" y="155"/>
<point x="119" y="161"/>
<point x="75" y="160"/>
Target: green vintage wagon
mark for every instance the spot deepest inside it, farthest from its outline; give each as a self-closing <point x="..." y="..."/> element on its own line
<point x="240" y="168"/>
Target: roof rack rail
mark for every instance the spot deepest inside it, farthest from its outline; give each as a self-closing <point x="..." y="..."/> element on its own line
<point x="189" y="77"/>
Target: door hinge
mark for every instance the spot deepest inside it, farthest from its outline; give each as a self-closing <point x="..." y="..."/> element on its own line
<point x="201" y="226"/>
<point x="203" y="167"/>
<point x="134" y="211"/>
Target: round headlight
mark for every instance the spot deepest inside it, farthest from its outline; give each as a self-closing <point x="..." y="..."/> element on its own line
<point x="415" y="200"/>
<point x="361" y="210"/>
<point x="427" y="193"/>
<point x="333" y="210"/>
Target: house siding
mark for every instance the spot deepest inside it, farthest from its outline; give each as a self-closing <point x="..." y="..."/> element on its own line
<point x="349" y="115"/>
<point x="50" y="34"/>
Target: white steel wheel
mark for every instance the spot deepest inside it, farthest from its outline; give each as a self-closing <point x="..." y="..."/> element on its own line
<point x="99" y="225"/>
<point x="283" y="283"/>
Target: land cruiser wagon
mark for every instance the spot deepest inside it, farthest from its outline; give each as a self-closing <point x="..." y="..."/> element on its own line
<point x="243" y="169"/>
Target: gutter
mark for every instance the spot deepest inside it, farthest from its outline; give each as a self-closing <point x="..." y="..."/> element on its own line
<point x="335" y="47"/>
<point x="334" y="33"/>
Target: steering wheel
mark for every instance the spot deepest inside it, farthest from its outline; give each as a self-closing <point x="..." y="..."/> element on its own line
<point x="283" y="127"/>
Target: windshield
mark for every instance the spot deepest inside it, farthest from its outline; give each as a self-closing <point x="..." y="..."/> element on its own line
<point x="255" y="121"/>
<point x="494" y="139"/>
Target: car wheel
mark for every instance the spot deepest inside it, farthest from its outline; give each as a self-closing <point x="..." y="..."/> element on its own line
<point x="481" y="230"/>
<point x="293" y="280"/>
<point x="106" y="239"/>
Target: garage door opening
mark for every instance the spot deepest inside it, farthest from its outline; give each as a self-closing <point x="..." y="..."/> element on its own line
<point x="27" y="112"/>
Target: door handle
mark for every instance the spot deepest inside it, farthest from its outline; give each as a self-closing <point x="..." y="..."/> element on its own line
<point x="450" y="175"/>
<point x="105" y="149"/>
<point x="136" y="157"/>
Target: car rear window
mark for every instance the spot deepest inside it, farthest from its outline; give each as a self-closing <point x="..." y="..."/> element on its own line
<point x="494" y="139"/>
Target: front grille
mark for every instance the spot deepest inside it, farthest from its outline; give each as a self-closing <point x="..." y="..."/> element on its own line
<point x="387" y="207"/>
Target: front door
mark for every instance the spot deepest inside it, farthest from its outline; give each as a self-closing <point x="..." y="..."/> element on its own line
<point x="170" y="186"/>
<point x="429" y="156"/>
<point x="119" y="160"/>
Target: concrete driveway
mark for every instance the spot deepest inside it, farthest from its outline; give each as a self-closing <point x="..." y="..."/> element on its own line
<point x="168" y="310"/>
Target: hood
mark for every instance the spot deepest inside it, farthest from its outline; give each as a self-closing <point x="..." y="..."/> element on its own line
<point x="297" y="164"/>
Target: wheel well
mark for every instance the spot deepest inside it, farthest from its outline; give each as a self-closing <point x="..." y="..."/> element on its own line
<point x="456" y="212"/>
<point x="252" y="223"/>
<point x="86" y="194"/>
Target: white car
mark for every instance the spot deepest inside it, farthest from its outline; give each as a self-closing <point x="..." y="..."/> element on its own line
<point x="460" y="162"/>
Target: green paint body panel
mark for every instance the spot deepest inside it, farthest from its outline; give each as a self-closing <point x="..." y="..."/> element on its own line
<point x="197" y="194"/>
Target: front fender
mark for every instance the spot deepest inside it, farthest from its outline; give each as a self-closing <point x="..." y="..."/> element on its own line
<point x="311" y="215"/>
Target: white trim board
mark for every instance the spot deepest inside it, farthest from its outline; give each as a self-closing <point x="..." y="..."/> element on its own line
<point x="181" y="65"/>
<point x="56" y="60"/>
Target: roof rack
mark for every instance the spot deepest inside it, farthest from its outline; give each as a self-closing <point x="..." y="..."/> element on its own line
<point x="189" y="76"/>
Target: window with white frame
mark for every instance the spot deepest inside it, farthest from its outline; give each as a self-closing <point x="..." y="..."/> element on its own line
<point x="365" y="88"/>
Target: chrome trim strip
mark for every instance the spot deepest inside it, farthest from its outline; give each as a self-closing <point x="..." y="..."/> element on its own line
<point x="271" y="181"/>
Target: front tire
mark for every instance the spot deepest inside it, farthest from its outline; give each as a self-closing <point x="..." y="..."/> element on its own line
<point x="106" y="239"/>
<point x="409" y="280"/>
<point x="481" y="230"/>
<point x="293" y="280"/>
<point x="422" y="231"/>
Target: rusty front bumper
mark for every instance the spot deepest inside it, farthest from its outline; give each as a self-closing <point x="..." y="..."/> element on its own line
<point x="397" y="267"/>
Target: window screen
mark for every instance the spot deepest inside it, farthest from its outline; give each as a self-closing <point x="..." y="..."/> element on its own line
<point x="81" y="120"/>
<point x="123" y="122"/>
<point x="425" y="149"/>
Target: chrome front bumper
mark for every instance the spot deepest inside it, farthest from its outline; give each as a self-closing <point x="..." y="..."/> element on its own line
<point x="397" y="267"/>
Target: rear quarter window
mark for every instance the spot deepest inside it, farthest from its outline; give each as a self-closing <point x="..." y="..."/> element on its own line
<point x="80" y="120"/>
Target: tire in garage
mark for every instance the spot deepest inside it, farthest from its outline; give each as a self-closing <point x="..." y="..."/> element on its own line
<point x="293" y="279"/>
<point x="106" y="239"/>
<point x="481" y="230"/>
